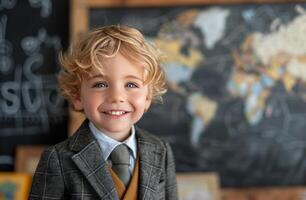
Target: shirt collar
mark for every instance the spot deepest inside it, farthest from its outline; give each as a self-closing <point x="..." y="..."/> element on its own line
<point x="107" y="144"/>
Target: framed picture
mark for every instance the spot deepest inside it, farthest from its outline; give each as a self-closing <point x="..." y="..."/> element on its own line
<point x="194" y="186"/>
<point x="27" y="158"/>
<point x="14" y="186"/>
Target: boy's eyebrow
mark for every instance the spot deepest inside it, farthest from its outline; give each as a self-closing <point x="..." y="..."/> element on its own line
<point x="134" y="77"/>
<point x="96" y="76"/>
<point x="102" y="76"/>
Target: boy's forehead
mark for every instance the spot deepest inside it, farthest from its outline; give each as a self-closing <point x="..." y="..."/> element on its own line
<point x="92" y="73"/>
<point x="95" y="73"/>
<point x="105" y="64"/>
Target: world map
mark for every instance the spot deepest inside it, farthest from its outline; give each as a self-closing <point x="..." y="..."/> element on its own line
<point x="236" y="103"/>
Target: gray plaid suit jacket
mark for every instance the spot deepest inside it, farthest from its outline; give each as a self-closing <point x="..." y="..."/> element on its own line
<point x="75" y="169"/>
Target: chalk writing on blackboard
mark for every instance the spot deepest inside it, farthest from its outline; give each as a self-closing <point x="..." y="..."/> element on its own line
<point x="46" y="6"/>
<point x="29" y="100"/>
<point x="6" y="61"/>
<point x="32" y="33"/>
<point x="26" y="97"/>
<point x="7" y="4"/>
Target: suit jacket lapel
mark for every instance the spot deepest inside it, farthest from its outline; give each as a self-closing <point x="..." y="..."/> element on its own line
<point x="90" y="162"/>
<point x="151" y="162"/>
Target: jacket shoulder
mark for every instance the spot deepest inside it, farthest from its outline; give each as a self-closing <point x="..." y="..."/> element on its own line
<point x="147" y="137"/>
<point x="62" y="146"/>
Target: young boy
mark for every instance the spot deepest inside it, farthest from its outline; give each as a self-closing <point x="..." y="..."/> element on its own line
<point x="112" y="75"/>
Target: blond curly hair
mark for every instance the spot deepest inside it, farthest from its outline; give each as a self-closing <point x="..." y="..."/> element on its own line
<point x="105" y="42"/>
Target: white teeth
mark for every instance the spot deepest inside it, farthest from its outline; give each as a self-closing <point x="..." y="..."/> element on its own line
<point x="116" y="112"/>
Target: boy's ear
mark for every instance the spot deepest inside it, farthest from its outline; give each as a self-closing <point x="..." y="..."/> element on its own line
<point x="77" y="104"/>
<point x="148" y="103"/>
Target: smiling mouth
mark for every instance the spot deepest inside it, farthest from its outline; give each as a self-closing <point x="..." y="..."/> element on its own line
<point x="115" y="112"/>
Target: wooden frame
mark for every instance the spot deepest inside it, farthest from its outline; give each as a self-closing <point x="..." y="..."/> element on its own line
<point x="79" y="8"/>
<point x="198" y="186"/>
<point x="27" y="158"/>
<point x="14" y="185"/>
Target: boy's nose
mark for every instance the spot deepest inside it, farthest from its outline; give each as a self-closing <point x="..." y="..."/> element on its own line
<point x="116" y="95"/>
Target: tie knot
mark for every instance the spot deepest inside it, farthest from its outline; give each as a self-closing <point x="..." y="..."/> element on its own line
<point x="120" y="155"/>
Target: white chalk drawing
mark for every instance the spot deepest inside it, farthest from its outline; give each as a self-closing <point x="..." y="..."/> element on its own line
<point x="32" y="44"/>
<point x="7" y="4"/>
<point x="31" y="99"/>
<point x="46" y="6"/>
<point x="6" y="61"/>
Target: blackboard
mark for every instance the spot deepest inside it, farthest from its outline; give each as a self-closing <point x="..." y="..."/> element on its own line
<point x="236" y="103"/>
<point x="31" y="111"/>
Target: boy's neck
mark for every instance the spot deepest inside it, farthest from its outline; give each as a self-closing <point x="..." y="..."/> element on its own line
<point x="118" y="136"/>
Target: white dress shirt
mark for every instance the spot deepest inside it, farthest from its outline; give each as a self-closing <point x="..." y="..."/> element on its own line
<point x="108" y="144"/>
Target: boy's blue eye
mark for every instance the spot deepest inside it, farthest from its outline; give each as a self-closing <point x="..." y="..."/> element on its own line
<point x="131" y="85"/>
<point x="100" y="85"/>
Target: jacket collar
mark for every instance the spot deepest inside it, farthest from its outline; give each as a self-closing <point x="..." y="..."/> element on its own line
<point x="88" y="158"/>
<point x="81" y="138"/>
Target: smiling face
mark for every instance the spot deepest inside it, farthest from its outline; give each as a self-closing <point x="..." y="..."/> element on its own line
<point x="116" y="100"/>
